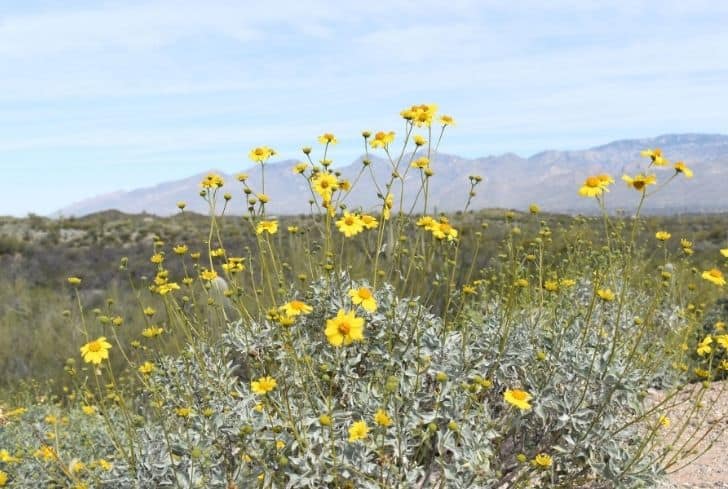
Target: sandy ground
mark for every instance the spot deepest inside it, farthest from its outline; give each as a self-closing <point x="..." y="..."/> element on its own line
<point x="709" y="469"/>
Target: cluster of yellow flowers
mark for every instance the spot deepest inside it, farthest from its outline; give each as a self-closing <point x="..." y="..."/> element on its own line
<point x="440" y="229"/>
<point x="352" y="224"/>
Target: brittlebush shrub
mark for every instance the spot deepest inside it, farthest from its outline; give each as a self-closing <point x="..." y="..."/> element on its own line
<point x="375" y="354"/>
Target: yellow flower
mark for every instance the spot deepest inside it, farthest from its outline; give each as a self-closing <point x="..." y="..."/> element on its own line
<point x="350" y="224"/>
<point x="364" y="297"/>
<point x="684" y="243"/>
<point x="420" y="115"/>
<point x="704" y="346"/>
<point x="270" y="227"/>
<point x="358" y="431"/>
<point x="324" y="184"/>
<point x="419" y="140"/>
<point x="655" y="155"/>
<point x="327" y="138"/>
<point x="447" y="120"/>
<point x="681" y="167"/>
<point x="212" y="180"/>
<point x="74" y="281"/>
<point x="96" y="351"/>
<point x="146" y="368"/>
<point x="662" y="235"/>
<point x="208" y="275"/>
<point x="606" y="294"/>
<point x="45" y="452"/>
<point x="183" y="412"/>
<point x="724" y="252"/>
<point x="180" y="249"/>
<point x="106" y="466"/>
<point x="388" y="203"/>
<point x="165" y="289"/>
<point x="722" y="340"/>
<point x="542" y="461"/>
<point x="234" y="265"/>
<point x="344" y="329"/>
<point x="300" y="168"/>
<point x="518" y="398"/>
<point x="5" y="457"/>
<point x="426" y="222"/>
<point x="714" y="276"/>
<point x="157" y="258"/>
<point x="280" y="444"/>
<point x="443" y="229"/>
<point x="263" y="385"/>
<point x="261" y="154"/>
<point x="152" y="331"/>
<point x="89" y="410"/>
<point x="421" y="163"/>
<point x="294" y="308"/>
<point x="369" y="222"/>
<point x="217" y="252"/>
<point x="3" y="478"/>
<point x="595" y="185"/>
<point x="551" y="285"/>
<point x="639" y="182"/>
<point x="382" y="139"/>
<point x="664" y="421"/>
<point x="521" y="282"/>
<point x="76" y="466"/>
<point x="382" y="418"/>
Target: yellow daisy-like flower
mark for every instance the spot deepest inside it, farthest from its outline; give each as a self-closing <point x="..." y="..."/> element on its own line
<point x="180" y="249"/>
<point x="300" y="168"/>
<point x="551" y="285"/>
<point x="369" y="222"/>
<point x="663" y="235"/>
<point x="350" y="224"/>
<point x="664" y="421"/>
<point x="96" y="351"/>
<point x="152" y="331"/>
<point x="234" y="265"/>
<point x="518" y="398"/>
<point x="447" y="120"/>
<point x="146" y="368"/>
<point x="3" y="478"/>
<point x="344" y="329"/>
<point x="88" y="410"/>
<point x="722" y="340"/>
<point x="270" y="227"/>
<point x="681" y="167"/>
<point x="263" y="385"/>
<point x="640" y="182"/>
<point x="655" y="155"/>
<point x="46" y="453"/>
<point x="704" y="347"/>
<point x="420" y="115"/>
<point x="358" y="431"/>
<point x="324" y="184"/>
<point x="724" y="252"/>
<point x="295" y="307"/>
<point x="685" y="243"/>
<point x="606" y="294"/>
<point x="104" y="465"/>
<point x="261" y="154"/>
<point x="595" y="185"/>
<point x="363" y="297"/>
<point x="183" y="412"/>
<point x="7" y="458"/>
<point x="212" y="180"/>
<point x="165" y="289"/>
<point x="714" y="276"/>
<point x="382" y="139"/>
<point x="426" y="222"/>
<point x="382" y="418"/>
<point x="421" y="163"/>
<point x="74" y="281"/>
<point x="419" y="140"/>
<point x="327" y="138"/>
<point x="208" y="275"/>
<point x="542" y="461"/>
<point x="443" y="229"/>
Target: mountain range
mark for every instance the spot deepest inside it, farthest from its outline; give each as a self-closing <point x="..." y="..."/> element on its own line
<point x="550" y="179"/>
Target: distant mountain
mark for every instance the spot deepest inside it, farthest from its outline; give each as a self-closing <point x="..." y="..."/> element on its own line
<point x="549" y="178"/>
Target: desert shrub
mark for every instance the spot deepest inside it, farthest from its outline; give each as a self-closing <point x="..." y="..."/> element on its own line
<point x="383" y="347"/>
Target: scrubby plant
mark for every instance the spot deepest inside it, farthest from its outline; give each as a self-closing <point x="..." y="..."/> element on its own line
<point x="376" y="352"/>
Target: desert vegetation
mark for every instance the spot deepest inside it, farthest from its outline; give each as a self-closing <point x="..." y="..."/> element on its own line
<point x="350" y="347"/>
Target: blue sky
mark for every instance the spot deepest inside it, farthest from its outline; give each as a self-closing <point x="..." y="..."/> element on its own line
<point x="100" y="96"/>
